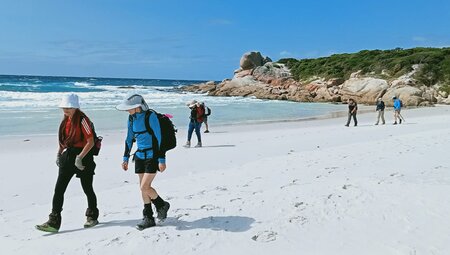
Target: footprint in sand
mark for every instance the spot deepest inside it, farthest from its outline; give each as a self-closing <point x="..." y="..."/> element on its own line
<point x="209" y="207"/>
<point x="298" y="219"/>
<point x="292" y="183"/>
<point x="221" y="188"/>
<point x="265" y="236"/>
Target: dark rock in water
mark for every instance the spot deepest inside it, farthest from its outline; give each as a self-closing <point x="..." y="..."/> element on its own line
<point x="27" y="140"/>
<point x="126" y="87"/>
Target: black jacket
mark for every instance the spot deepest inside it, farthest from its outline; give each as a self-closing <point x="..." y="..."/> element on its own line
<point x="380" y="106"/>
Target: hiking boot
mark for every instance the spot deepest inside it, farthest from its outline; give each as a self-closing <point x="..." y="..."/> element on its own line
<point x="376" y="124"/>
<point x="400" y="121"/>
<point x="52" y="225"/>
<point x="92" y="216"/>
<point x="147" y="222"/>
<point x="187" y="145"/>
<point x="198" y="145"/>
<point x="395" y="123"/>
<point x="346" y="125"/>
<point x="162" y="212"/>
<point x="206" y="131"/>
<point x="90" y="222"/>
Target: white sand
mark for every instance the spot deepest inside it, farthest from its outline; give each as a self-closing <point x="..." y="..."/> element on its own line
<point x="312" y="187"/>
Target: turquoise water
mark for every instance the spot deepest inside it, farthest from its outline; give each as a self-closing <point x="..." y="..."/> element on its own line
<point x="29" y="104"/>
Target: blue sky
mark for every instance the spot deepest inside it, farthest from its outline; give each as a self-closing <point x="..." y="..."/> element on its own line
<point x="202" y="39"/>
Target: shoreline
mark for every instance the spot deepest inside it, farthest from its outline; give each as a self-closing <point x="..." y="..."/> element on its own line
<point x="331" y="115"/>
<point x="366" y="109"/>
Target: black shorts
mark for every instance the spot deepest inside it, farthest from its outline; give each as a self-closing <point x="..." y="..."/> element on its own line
<point x="148" y="166"/>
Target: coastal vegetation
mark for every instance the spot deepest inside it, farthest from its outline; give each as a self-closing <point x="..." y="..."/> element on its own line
<point x="434" y="65"/>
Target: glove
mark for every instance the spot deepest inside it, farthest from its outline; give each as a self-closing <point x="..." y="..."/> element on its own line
<point x="58" y="159"/>
<point x="79" y="163"/>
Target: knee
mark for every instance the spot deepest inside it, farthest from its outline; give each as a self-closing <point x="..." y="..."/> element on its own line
<point x="145" y="188"/>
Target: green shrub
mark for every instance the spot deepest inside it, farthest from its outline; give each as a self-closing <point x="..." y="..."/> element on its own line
<point x="435" y="64"/>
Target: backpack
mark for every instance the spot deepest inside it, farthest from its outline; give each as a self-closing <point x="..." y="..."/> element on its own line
<point x="200" y="113"/>
<point x="168" y="133"/>
<point x="95" y="150"/>
<point x="207" y="111"/>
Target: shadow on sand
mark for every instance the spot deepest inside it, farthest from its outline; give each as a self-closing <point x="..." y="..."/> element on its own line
<point x="219" y="146"/>
<point x="112" y="223"/>
<point x="216" y="223"/>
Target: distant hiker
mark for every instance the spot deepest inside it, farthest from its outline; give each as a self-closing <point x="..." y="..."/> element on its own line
<point x="352" y="109"/>
<point x="397" y="108"/>
<point x="205" y="116"/>
<point x="74" y="157"/>
<point x="195" y="122"/>
<point x="148" y="159"/>
<point x="380" y="110"/>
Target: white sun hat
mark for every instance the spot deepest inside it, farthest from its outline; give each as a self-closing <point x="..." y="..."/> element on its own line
<point x="69" y="101"/>
<point x="191" y="103"/>
<point x="132" y="102"/>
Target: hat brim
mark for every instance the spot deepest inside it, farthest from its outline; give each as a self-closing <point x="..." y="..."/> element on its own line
<point x="126" y="107"/>
<point x="69" y="106"/>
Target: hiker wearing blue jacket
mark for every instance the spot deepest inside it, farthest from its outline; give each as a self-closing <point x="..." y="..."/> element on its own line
<point x="147" y="161"/>
<point x="397" y="109"/>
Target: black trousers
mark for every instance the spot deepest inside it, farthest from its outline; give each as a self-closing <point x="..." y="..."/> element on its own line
<point x="67" y="170"/>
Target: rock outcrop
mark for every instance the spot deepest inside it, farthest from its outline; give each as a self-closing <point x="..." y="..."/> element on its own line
<point x="259" y="77"/>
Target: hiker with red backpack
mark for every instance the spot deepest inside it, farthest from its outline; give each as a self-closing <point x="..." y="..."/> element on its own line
<point x="75" y="157"/>
<point x="195" y="122"/>
<point x="144" y="127"/>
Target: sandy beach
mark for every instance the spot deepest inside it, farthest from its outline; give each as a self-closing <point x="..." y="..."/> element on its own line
<point x="306" y="187"/>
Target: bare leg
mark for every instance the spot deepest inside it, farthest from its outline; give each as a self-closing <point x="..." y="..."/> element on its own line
<point x="147" y="192"/>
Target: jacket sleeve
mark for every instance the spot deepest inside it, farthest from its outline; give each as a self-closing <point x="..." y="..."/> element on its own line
<point x="128" y="142"/>
<point x="154" y="125"/>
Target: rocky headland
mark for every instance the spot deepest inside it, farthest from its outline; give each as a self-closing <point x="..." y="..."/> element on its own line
<point x="260" y="77"/>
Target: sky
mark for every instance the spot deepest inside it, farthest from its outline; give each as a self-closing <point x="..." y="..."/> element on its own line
<point x="202" y="39"/>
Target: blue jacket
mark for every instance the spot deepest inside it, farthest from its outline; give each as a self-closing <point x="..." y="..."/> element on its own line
<point x="137" y="131"/>
<point x="397" y="104"/>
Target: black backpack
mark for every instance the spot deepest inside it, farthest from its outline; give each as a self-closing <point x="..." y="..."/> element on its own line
<point x="97" y="139"/>
<point x="207" y="111"/>
<point x="168" y="133"/>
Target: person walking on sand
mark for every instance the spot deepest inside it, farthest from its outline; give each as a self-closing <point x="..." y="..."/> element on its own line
<point x="397" y="109"/>
<point x="195" y="123"/>
<point x="205" y="116"/>
<point x="74" y="157"/>
<point x="147" y="160"/>
<point x="380" y="110"/>
<point x="352" y="109"/>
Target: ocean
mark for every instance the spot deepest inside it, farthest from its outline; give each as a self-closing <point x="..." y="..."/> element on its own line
<point x="29" y="104"/>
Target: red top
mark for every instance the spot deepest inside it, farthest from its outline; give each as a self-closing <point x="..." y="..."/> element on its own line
<point x="80" y="142"/>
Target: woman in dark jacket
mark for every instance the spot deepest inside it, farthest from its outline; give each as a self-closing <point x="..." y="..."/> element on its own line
<point x="352" y="110"/>
<point x="195" y="123"/>
<point x="74" y="157"/>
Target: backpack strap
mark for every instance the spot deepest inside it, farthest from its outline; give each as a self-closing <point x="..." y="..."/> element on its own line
<point x="155" y="145"/>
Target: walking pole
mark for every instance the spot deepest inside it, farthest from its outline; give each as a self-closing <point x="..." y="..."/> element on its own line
<point x="399" y="114"/>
